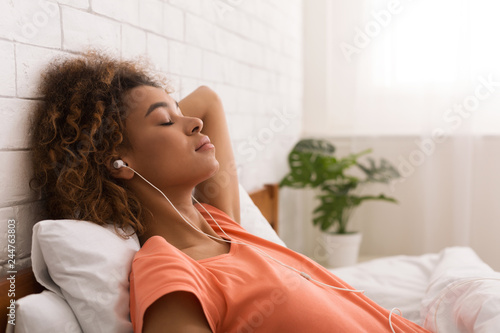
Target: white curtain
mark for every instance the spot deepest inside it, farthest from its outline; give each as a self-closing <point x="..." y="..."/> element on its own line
<point x="419" y="82"/>
<point x="411" y="67"/>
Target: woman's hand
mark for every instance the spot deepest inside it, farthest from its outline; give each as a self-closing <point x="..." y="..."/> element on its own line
<point x="220" y="191"/>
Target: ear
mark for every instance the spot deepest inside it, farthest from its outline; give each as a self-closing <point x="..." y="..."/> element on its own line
<point x="121" y="173"/>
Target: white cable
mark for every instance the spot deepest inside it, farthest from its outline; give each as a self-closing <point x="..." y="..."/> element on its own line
<point x="390" y="318"/>
<point x="303" y="274"/>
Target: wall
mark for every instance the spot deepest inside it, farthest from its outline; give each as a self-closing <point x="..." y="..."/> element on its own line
<point x="249" y="51"/>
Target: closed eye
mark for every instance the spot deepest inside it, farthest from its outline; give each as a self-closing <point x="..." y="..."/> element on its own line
<point x="167" y="124"/>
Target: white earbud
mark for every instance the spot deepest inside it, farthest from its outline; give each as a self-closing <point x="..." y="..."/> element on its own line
<point x="118" y="164"/>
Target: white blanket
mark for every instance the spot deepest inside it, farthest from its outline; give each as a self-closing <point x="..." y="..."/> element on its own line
<point x="452" y="291"/>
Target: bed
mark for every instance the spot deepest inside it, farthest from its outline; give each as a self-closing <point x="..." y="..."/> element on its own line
<point x="450" y="291"/>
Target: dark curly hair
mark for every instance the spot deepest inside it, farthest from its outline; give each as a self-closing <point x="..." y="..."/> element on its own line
<point x="76" y="131"/>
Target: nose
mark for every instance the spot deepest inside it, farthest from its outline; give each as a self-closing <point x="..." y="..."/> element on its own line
<point x="194" y="125"/>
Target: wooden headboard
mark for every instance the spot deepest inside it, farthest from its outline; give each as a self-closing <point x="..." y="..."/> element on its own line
<point x="267" y="201"/>
<point x="25" y="284"/>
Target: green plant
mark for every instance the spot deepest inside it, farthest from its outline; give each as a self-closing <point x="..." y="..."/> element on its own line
<point x="313" y="165"/>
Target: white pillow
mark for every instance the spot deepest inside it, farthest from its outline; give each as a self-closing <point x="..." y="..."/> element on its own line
<point x="44" y="313"/>
<point x="253" y="220"/>
<point x="89" y="265"/>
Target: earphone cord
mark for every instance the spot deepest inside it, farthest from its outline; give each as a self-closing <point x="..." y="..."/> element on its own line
<point x="228" y="240"/>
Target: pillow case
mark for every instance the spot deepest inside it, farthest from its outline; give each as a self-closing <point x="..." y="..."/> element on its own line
<point x="253" y="221"/>
<point x="89" y="265"/>
<point x="45" y="312"/>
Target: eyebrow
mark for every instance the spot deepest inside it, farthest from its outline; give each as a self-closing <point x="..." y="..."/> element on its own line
<point x="158" y="105"/>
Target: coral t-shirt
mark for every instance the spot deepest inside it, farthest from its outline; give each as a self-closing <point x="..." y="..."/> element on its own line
<point x="244" y="291"/>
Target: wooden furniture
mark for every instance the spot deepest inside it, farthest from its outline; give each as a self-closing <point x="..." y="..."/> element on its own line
<point x="266" y="199"/>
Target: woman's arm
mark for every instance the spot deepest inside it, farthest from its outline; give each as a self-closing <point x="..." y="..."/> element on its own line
<point x="220" y="191"/>
<point x="176" y="312"/>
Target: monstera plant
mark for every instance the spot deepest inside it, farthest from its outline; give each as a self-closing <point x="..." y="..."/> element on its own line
<point x="313" y="164"/>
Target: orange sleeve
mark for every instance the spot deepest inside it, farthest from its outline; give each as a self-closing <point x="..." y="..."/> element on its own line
<point x="158" y="269"/>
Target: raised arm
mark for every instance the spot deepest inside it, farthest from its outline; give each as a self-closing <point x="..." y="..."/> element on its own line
<point x="220" y="191"/>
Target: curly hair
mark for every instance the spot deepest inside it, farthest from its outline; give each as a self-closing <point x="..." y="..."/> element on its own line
<point x="76" y="132"/>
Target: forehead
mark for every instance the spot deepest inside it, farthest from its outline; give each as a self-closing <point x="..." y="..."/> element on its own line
<point x="142" y="97"/>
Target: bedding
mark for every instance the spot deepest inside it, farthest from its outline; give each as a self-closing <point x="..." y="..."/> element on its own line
<point x="451" y="291"/>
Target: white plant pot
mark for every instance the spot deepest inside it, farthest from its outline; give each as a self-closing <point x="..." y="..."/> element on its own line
<point x="341" y="249"/>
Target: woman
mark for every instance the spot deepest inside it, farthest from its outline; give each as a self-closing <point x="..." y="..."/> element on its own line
<point x="112" y="146"/>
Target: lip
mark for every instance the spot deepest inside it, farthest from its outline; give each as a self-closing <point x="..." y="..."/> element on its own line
<point x="204" y="144"/>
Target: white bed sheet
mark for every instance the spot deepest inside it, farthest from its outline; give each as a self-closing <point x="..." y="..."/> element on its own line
<point x="451" y="291"/>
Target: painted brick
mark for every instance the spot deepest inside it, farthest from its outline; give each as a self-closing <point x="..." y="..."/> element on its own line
<point x="174" y="82"/>
<point x="7" y="20"/>
<point x="228" y="17"/>
<point x="213" y="67"/>
<point x="209" y="10"/>
<point x="194" y="6"/>
<point x="173" y="22"/>
<point x="245" y="76"/>
<point x="15" y="173"/>
<point x="241" y="126"/>
<point x="26" y="216"/>
<point x="231" y="72"/>
<point x="229" y="96"/>
<point x="151" y="15"/>
<point x="273" y="39"/>
<point x="121" y="10"/>
<point x="246" y="50"/>
<point x="185" y="60"/>
<point x="188" y="85"/>
<point x="226" y="42"/>
<point x="253" y="53"/>
<point x="200" y="32"/>
<point x="291" y="47"/>
<point x="30" y="62"/>
<point x="7" y="69"/>
<point x="83" y="4"/>
<point x="246" y="6"/>
<point x="217" y="10"/>
<point x="83" y="30"/>
<point x="14" y="127"/>
<point x="158" y="52"/>
<point x="37" y="23"/>
<point x="258" y="31"/>
<point x="133" y="42"/>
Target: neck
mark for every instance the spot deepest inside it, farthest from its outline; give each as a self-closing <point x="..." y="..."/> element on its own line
<point x="162" y="219"/>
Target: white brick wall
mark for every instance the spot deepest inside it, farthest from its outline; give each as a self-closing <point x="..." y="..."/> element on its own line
<point x="249" y="51"/>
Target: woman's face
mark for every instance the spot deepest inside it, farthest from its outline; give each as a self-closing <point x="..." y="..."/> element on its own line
<point x="166" y="147"/>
